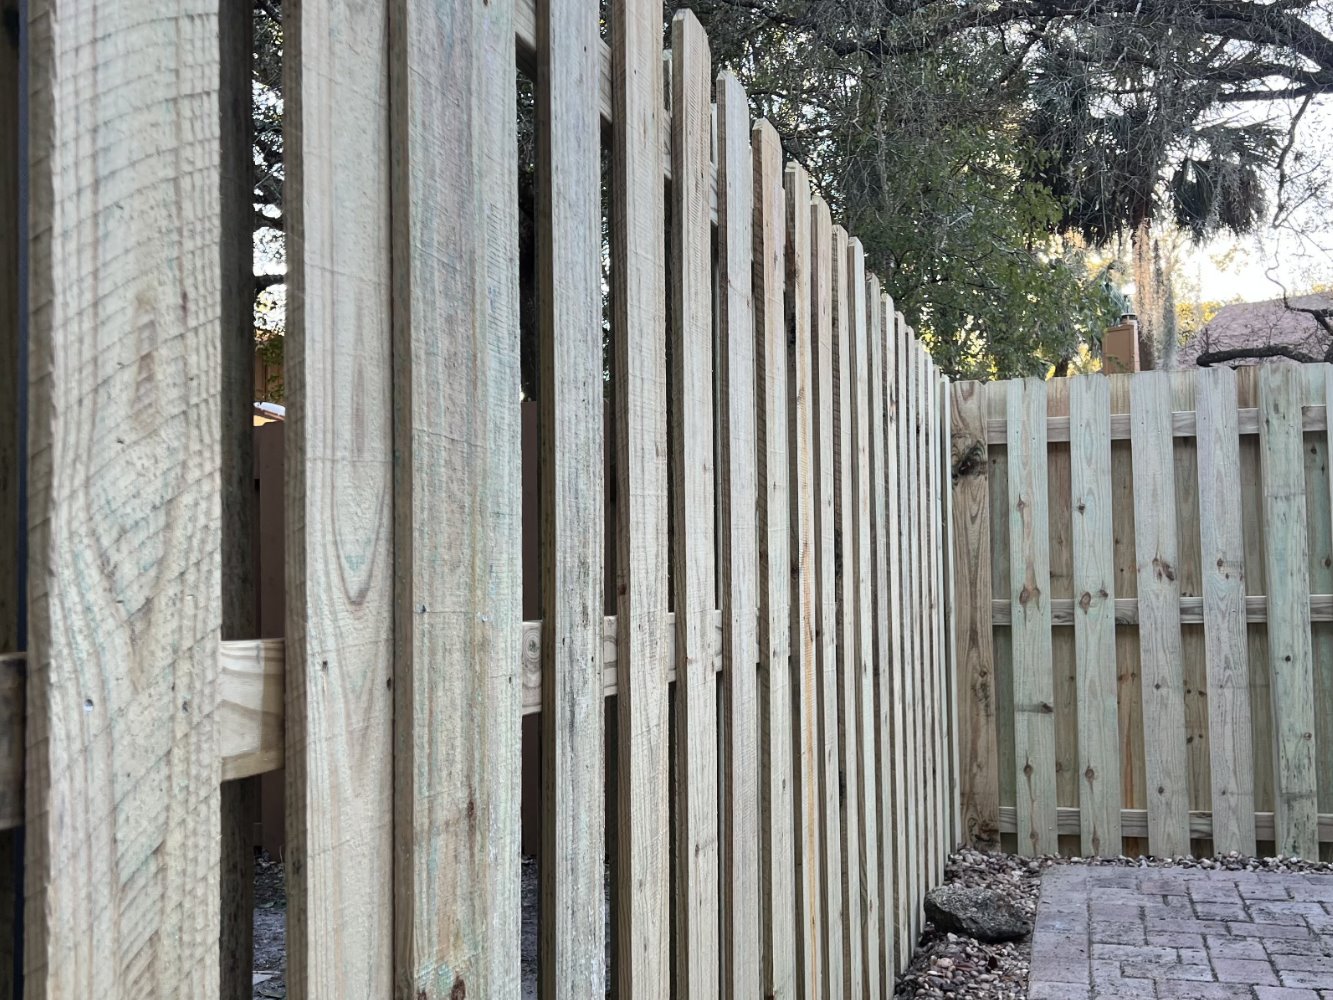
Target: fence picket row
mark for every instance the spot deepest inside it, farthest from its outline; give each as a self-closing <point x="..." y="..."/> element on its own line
<point x="757" y="569"/>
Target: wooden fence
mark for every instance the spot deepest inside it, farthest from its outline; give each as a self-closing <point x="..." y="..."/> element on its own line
<point x="779" y="658"/>
<point x="1145" y="615"/>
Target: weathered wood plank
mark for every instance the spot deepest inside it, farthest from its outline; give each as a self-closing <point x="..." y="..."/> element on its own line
<point x="1094" y="622"/>
<point x="822" y="296"/>
<point x="123" y="803"/>
<point x="1223" y="564"/>
<point x="996" y="403"/>
<point x="1029" y="562"/>
<point x="1064" y="672"/>
<point x="979" y="779"/>
<point x="807" y="364"/>
<point x="1290" y="655"/>
<point x="938" y="658"/>
<point x="1255" y="609"/>
<point x="884" y="757"/>
<point x="897" y="904"/>
<point x="1157" y="556"/>
<point x="697" y="943"/>
<point x="739" y="556"/>
<point x="339" y="496"/>
<point x="1184" y="424"/>
<point x="1134" y="823"/>
<point x="642" y="872"/>
<point x="947" y="551"/>
<point x="860" y="572"/>
<point x="785" y="566"/>
<point x="845" y="577"/>
<point x="457" y="498"/>
<point x="1319" y="523"/>
<point x="912" y="628"/>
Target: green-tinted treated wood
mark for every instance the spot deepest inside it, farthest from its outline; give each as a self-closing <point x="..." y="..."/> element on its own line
<point x="339" y="702"/>
<point x="912" y="625"/>
<point x="642" y="932"/>
<point x="1094" y="619"/>
<point x="809" y="364"/>
<point x="936" y="822"/>
<point x="1319" y="523"/>
<point x="738" y="563"/>
<point x="904" y="744"/>
<point x="996" y="403"/>
<point x="884" y="754"/>
<point x="860" y="572"/>
<point x="1290" y="654"/>
<point x="1157" y="555"/>
<point x="832" y="964"/>
<point x="1029" y="576"/>
<point x="1063" y="658"/>
<point x="457" y="518"/>
<point x="1223" y="564"/>
<point x="947" y="551"/>
<point x="124" y="331"/>
<point x="979" y="777"/>
<point x="845" y="460"/>
<point x="786" y="554"/>
<point x="696" y="942"/>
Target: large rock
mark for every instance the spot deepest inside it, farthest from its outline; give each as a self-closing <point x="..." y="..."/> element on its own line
<point x="978" y="913"/>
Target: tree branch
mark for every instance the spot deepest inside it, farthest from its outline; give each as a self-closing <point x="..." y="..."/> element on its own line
<point x="1210" y="358"/>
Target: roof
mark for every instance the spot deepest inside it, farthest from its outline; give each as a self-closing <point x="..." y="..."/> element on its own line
<point x="1261" y="324"/>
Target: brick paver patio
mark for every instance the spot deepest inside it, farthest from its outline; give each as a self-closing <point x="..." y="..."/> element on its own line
<point x="1191" y="933"/>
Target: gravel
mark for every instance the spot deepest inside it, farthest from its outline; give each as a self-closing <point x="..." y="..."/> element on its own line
<point x="947" y="965"/>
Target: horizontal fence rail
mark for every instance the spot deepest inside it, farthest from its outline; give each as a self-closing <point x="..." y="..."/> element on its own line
<point x="740" y="665"/>
<point x="1144" y="621"/>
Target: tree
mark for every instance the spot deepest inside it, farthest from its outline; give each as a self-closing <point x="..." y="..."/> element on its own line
<point x="1096" y="118"/>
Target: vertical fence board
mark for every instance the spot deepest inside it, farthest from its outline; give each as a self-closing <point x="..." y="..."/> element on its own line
<point x="884" y="756"/>
<point x="944" y="815"/>
<point x="1063" y="658"/>
<point x="1319" y="525"/>
<point x="904" y="746"/>
<point x="996" y="407"/>
<point x="739" y="556"/>
<point x="947" y="554"/>
<point x="848" y="673"/>
<point x="1290" y="655"/>
<point x="785" y="568"/>
<point x="339" y="497"/>
<point x="1098" y="762"/>
<point x="911" y="499"/>
<point x="123" y="764"/>
<point x="929" y="703"/>
<point x="809" y="364"/>
<point x="1157" y="557"/>
<point x="1029" y="569"/>
<point x="861" y="568"/>
<point x="642" y="870"/>
<point x="825" y="411"/>
<point x="456" y="486"/>
<point x="693" y="496"/>
<point x="979" y="779"/>
<point x="1222" y="550"/>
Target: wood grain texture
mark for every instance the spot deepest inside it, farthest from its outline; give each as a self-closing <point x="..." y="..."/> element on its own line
<point x="786" y="570"/>
<point x="339" y="516"/>
<point x="457" y="593"/>
<point x="996" y="403"/>
<point x="1184" y="423"/>
<point x="947" y="550"/>
<point x="1192" y="609"/>
<point x="1093" y="541"/>
<point x="122" y="807"/>
<point x="1223" y="563"/>
<point x="642" y="933"/>
<point x="1319" y="521"/>
<point x="1290" y="654"/>
<point x="1134" y="823"/>
<point x="833" y="964"/>
<point x="885" y="758"/>
<point x="979" y="779"/>
<point x="1063" y="659"/>
<point x="897" y="904"/>
<point x="1029" y="567"/>
<point x="847" y="583"/>
<point x="863" y="575"/>
<point x="911" y="504"/>
<point x="808" y="363"/>
<point x="738" y="554"/>
<point x="944" y="735"/>
<point x="1157" y="558"/>
<point x="697" y="864"/>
